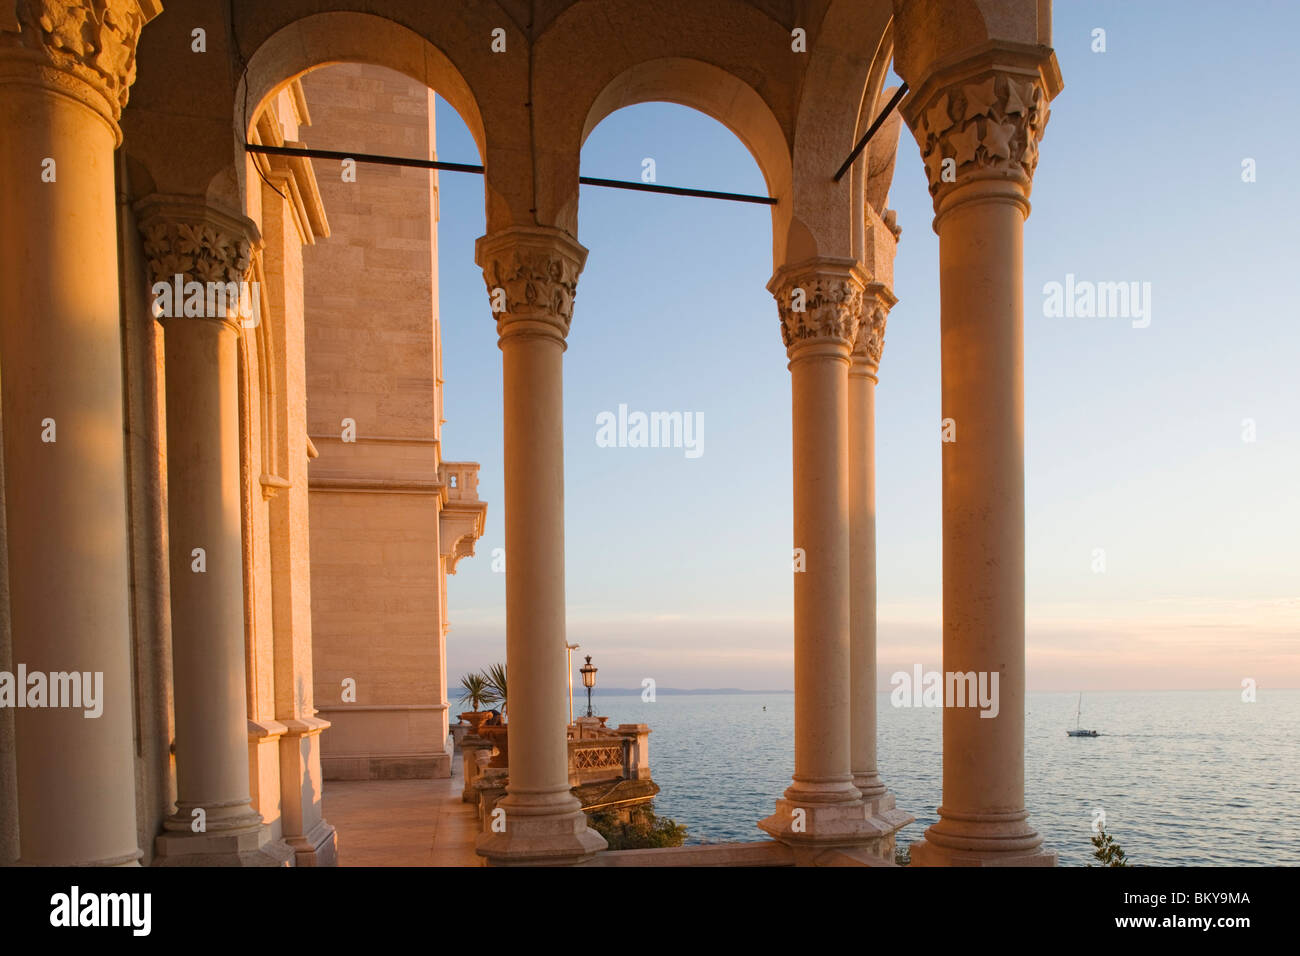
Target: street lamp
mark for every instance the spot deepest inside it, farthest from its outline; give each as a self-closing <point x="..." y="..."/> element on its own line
<point x="571" y="649"/>
<point x="588" y="680"/>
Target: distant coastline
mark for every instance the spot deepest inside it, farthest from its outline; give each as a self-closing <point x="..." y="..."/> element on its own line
<point x="671" y="691"/>
<point x="637" y="691"/>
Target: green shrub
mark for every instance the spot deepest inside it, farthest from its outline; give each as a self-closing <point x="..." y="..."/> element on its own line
<point x="643" y="831"/>
<point x="1107" y="850"/>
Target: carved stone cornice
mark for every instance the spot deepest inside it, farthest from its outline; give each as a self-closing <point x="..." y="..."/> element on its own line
<point x="531" y="274"/>
<point x="982" y="118"/>
<point x="82" y="47"/>
<point x="190" y="238"/>
<point x="877" y="300"/>
<point x="819" y="301"/>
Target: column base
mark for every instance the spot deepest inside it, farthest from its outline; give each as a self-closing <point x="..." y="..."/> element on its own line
<point x="983" y="839"/>
<point x="884" y="813"/>
<point x="539" y="833"/>
<point x="318" y="848"/>
<point x="251" y="846"/>
<point x="799" y="823"/>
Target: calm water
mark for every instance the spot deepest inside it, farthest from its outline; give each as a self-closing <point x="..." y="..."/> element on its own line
<point x="1184" y="777"/>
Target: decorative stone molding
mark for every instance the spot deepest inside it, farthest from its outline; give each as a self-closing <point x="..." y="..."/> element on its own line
<point x="819" y="301"/>
<point x="91" y="40"/>
<point x="983" y="117"/>
<point x="994" y="124"/>
<point x="870" y="340"/>
<point x="189" y="238"/>
<point x="531" y="275"/>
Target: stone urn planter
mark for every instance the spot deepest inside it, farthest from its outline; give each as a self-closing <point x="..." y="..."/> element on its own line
<point x="498" y="735"/>
<point x="475" y="719"/>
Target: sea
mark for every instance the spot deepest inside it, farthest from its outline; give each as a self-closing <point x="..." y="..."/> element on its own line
<point x="1183" y="778"/>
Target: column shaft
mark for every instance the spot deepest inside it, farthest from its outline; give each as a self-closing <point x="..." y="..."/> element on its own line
<point x="862" y="597"/>
<point x="207" y="600"/>
<point x="534" y="529"/>
<point x="822" y="771"/>
<point x="984" y="500"/>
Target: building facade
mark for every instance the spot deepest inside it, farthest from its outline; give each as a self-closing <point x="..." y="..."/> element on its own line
<point x="167" y="500"/>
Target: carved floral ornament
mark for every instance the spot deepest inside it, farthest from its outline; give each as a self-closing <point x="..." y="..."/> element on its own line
<point x="199" y="251"/>
<point x="94" y="40"/>
<point x="819" y="306"/>
<point x="870" y="341"/>
<point x="995" y="123"/>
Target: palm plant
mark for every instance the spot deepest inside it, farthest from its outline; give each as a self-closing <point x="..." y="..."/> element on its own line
<point x="478" y="692"/>
<point x="495" y="676"/>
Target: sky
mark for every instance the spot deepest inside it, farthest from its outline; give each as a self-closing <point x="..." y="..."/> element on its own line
<point x="1162" y="462"/>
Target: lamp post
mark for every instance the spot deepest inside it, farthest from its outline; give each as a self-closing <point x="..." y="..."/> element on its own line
<point x="571" y="648"/>
<point x="588" y="680"/>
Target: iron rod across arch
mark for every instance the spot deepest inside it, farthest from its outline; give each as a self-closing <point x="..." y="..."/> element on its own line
<point x="472" y="168"/>
<point x="871" y="131"/>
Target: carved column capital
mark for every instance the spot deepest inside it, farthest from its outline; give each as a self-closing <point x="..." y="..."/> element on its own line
<point x="188" y="241"/>
<point x="820" y="302"/>
<point x="981" y="119"/>
<point x="877" y="300"/>
<point x="531" y="273"/>
<point x="85" y="48"/>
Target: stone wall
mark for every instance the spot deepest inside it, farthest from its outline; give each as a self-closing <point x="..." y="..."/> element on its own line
<point x="373" y="366"/>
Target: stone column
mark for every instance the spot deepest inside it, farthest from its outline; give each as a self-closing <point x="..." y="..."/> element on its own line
<point x="532" y="276"/>
<point x="65" y="70"/>
<point x="820" y="303"/>
<point x="877" y="301"/>
<point x="978" y="124"/>
<point x="214" y="823"/>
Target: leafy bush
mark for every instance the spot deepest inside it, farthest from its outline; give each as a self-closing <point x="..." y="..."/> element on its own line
<point x="1107" y="850"/>
<point x="643" y="831"/>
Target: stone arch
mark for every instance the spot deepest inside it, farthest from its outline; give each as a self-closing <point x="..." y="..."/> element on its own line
<point x="321" y="39"/>
<point x="727" y="59"/>
<point x="719" y="95"/>
<point x="873" y="178"/>
<point x="841" y="84"/>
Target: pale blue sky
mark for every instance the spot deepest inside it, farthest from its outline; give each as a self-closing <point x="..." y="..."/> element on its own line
<point x="678" y="568"/>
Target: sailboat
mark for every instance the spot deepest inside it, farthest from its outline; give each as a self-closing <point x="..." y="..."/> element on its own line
<point x="1078" y="731"/>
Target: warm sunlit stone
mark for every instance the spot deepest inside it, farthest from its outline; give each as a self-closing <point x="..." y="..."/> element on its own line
<point x="199" y="536"/>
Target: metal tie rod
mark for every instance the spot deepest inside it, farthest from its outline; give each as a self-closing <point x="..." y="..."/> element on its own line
<point x="471" y="168"/>
<point x="871" y="131"/>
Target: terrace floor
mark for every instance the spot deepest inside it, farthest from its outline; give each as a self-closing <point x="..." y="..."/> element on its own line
<point x="402" y="822"/>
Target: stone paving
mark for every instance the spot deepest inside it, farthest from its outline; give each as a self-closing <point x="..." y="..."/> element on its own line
<point x="402" y="822"/>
